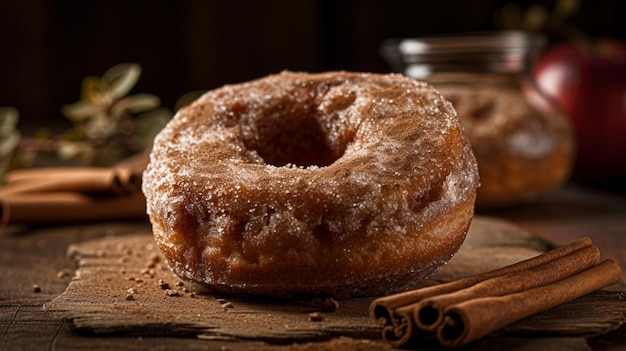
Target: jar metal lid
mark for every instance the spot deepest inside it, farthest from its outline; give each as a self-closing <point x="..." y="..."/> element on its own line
<point x="495" y="52"/>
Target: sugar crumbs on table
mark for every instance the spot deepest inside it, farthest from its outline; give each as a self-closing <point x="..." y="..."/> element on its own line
<point x="172" y="293"/>
<point x="148" y="272"/>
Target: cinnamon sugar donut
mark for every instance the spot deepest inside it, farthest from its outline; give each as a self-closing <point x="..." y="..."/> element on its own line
<point x="522" y="152"/>
<point x="295" y="184"/>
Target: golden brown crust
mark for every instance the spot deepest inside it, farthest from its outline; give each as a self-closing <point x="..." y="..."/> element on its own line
<point x="334" y="183"/>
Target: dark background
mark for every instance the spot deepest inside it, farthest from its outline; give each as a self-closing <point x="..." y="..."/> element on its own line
<point x="48" y="47"/>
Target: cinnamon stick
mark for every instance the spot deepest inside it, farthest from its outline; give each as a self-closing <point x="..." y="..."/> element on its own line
<point x="472" y="319"/>
<point x="116" y="180"/>
<point x="383" y="310"/>
<point x="67" y="207"/>
<point x="428" y="313"/>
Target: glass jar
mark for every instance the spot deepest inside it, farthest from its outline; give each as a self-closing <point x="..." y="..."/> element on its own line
<point x="524" y="146"/>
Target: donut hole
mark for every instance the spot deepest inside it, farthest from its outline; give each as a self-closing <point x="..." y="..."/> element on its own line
<point x="297" y="139"/>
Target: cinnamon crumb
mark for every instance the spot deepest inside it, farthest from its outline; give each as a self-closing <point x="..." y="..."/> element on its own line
<point x="154" y="257"/>
<point x="316" y="317"/>
<point x="227" y="305"/>
<point x="130" y="294"/>
<point x="327" y="304"/>
<point x="36" y="288"/>
<point x="64" y="273"/>
<point x="163" y="285"/>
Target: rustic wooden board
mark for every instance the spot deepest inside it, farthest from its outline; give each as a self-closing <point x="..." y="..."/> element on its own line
<point x="120" y="288"/>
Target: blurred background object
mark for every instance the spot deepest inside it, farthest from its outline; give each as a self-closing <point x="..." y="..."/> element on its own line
<point x="587" y="78"/>
<point x="48" y="47"/>
<point x="523" y="149"/>
<point x="9" y="137"/>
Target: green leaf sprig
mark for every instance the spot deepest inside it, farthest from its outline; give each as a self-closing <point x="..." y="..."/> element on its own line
<point x="107" y="123"/>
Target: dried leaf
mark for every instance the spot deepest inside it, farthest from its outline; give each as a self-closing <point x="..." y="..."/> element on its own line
<point x="79" y="111"/>
<point x="94" y="91"/>
<point x="9" y="136"/>
<point x="8" y="143"/>
<point x="8" y="120"/>
<point x="135" y="104"/>
<point x="100" y="126"/>
<point x="122" y="78"/>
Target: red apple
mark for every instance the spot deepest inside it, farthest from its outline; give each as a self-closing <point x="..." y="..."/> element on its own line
<point x="589" y="83"/>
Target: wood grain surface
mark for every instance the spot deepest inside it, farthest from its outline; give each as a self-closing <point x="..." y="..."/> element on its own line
<point x="37" y="254"/>
<point x="123" y="287"/>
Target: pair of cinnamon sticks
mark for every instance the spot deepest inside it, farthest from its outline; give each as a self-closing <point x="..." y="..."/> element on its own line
<point x="467" y="309"/>
<point x="73" y="194"/>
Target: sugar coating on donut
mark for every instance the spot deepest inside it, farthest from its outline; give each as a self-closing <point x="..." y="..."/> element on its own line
<point x="334" y="183"/>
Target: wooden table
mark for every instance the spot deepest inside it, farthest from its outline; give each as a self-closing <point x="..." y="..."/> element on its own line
<point x="37" y="256"/>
